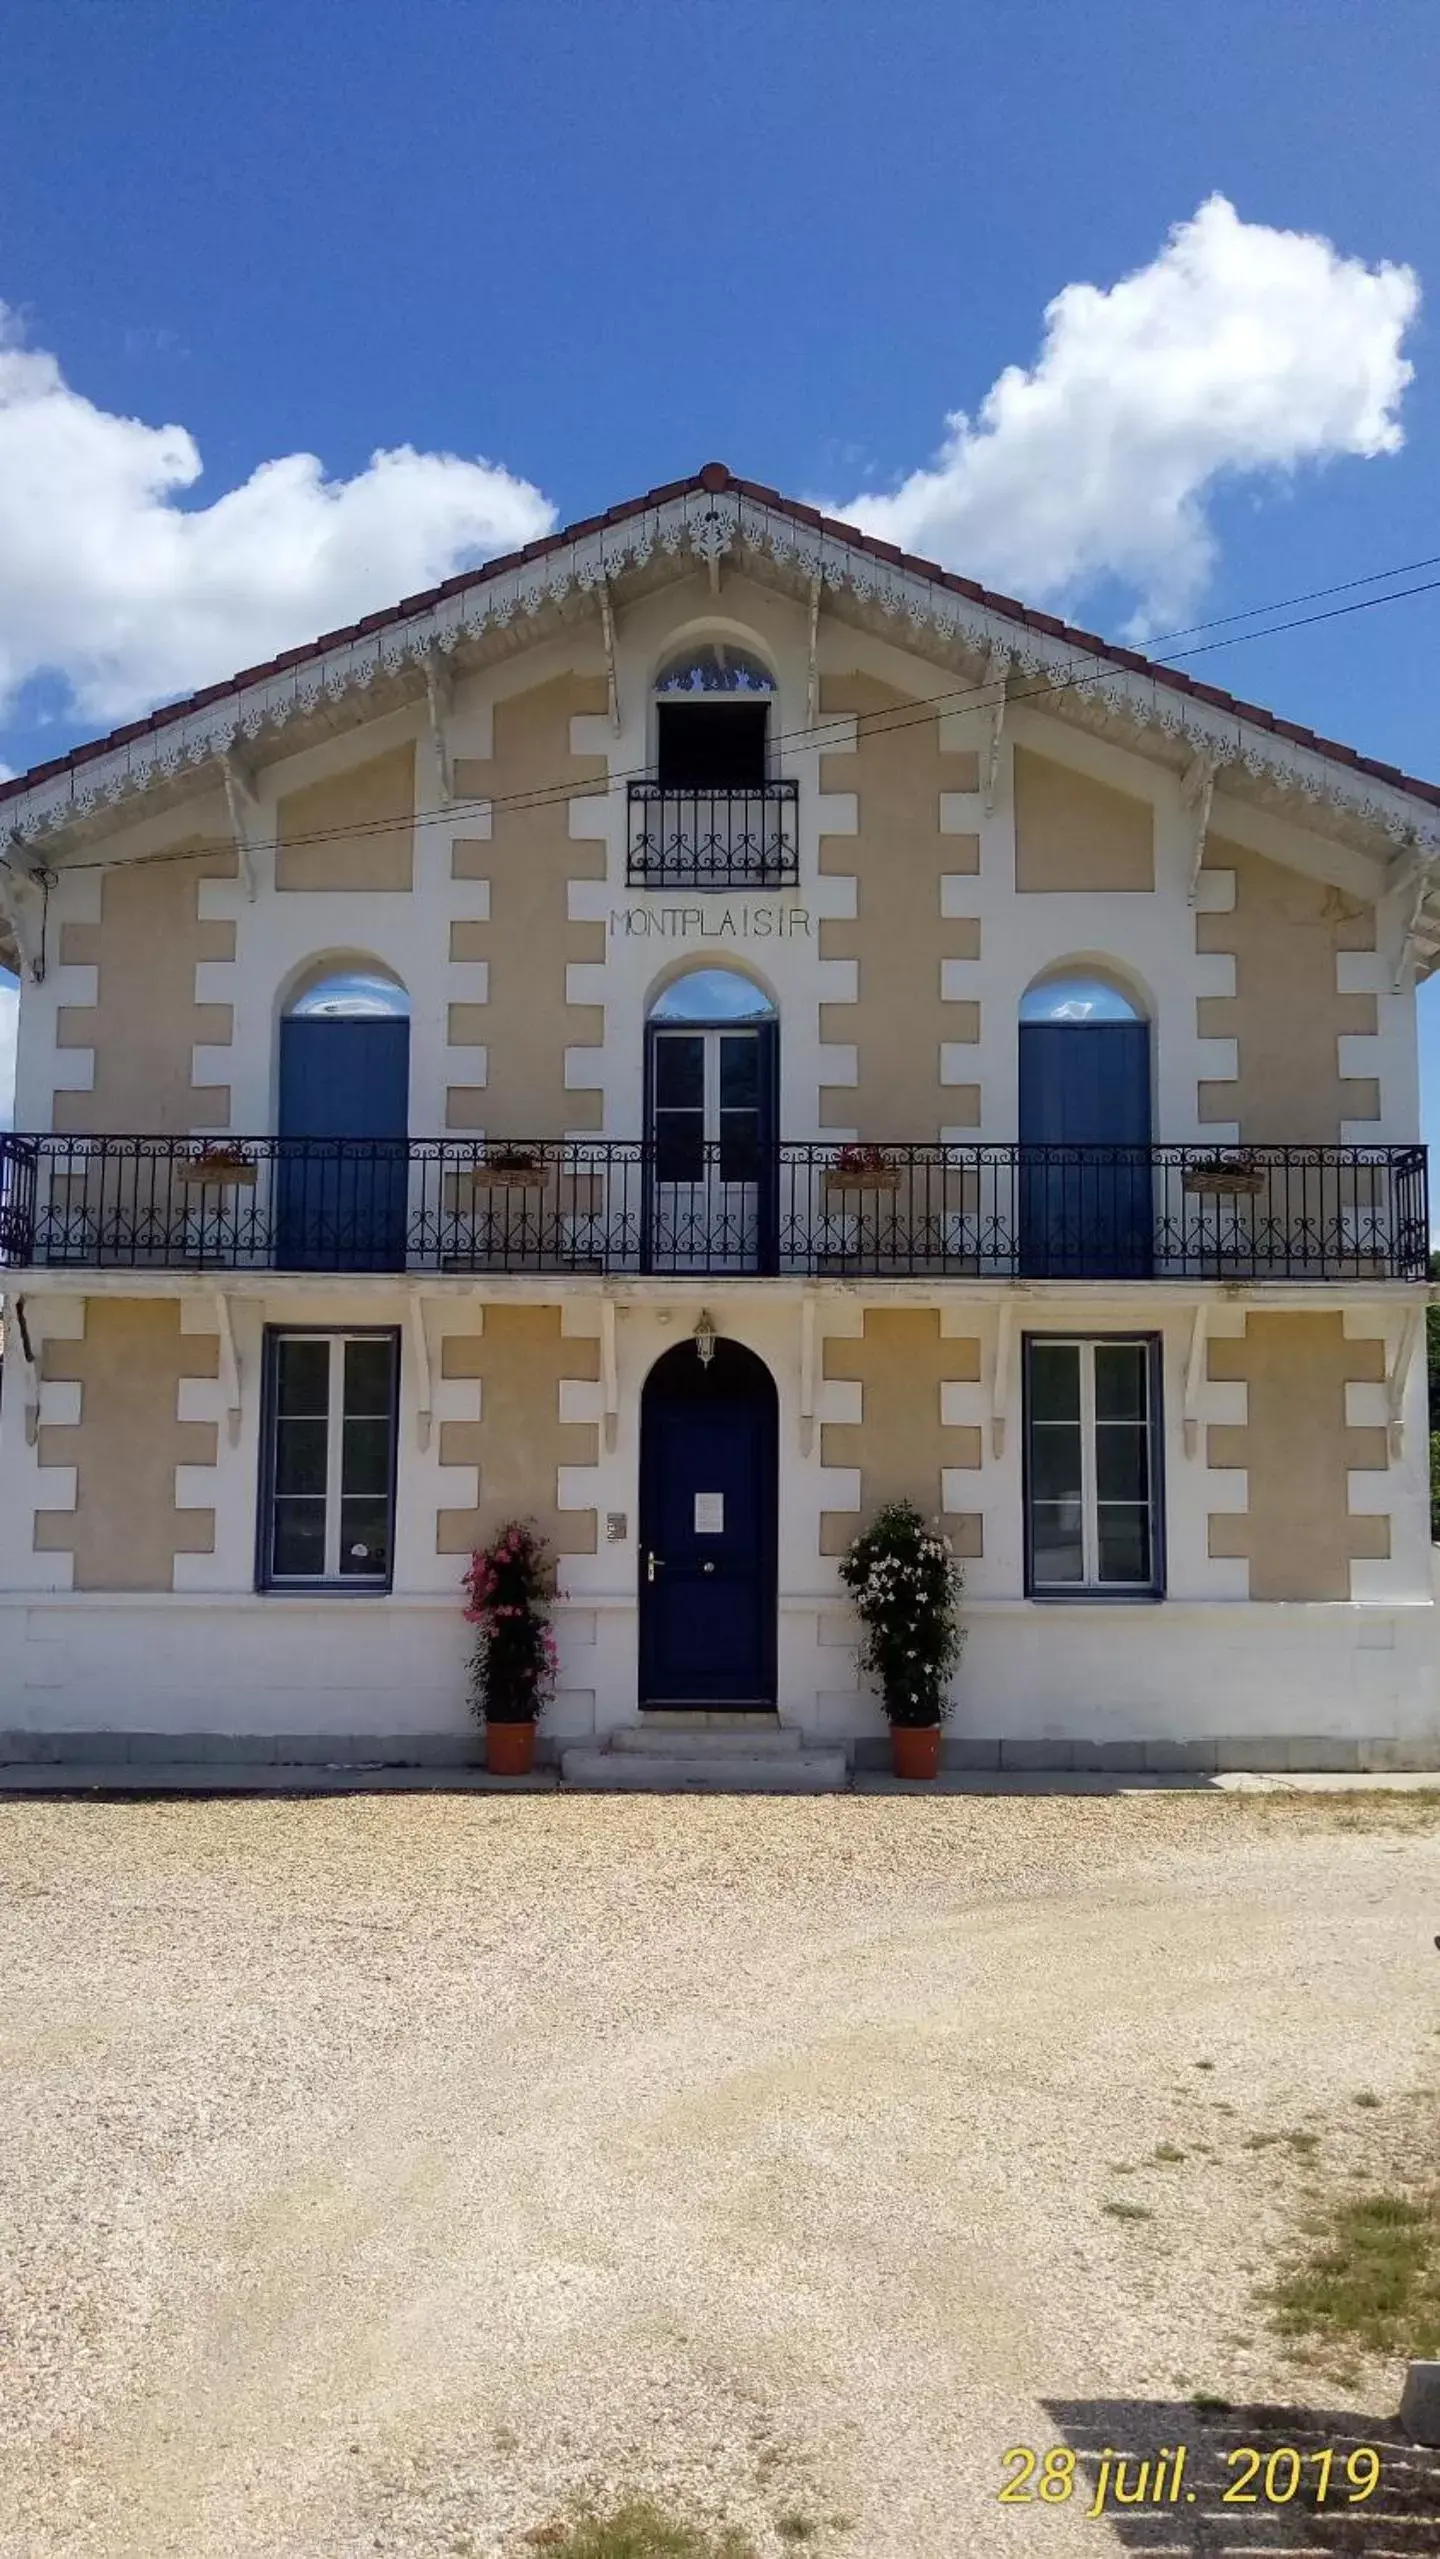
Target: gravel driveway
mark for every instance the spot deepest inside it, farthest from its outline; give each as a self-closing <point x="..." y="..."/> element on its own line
<point x="378" y="2173"/>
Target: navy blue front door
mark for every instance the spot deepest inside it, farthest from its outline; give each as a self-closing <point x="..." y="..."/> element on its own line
<point x="708" y="1458"/>
<point x="1085" y="1191"/>
<point x="344" y="1116"/>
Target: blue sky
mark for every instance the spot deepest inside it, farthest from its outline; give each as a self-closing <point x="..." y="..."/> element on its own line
<point x="598" y="244"/>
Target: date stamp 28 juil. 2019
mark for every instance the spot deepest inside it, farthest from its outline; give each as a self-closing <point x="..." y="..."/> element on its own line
<point x="1166" y="2478"/>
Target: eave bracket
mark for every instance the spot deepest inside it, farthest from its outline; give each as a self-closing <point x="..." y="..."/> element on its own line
<point x="1398" y="1379"/>
<point x="1002" y="1375"/>
<point x="424" y="1367"/>
<point x="1419" y="882"/>
<point x="245" y="815"/>
<point x="1197" y="793"/>
<point x="229" y="1369"/>
<point x="609" y="1375"/>
<point x="807" y="1375"/>
<point x="997" y="672"/>
<point x="812" y="673"/>
<point x="607" y="633"/>
<point x="439" y="694"/>
<point x="15" y="893"/>
<point x="1195" y="1375"/>
<point x="31" y="1366"/>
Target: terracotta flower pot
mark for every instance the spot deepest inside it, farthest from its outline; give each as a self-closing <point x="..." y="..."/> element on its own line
<point x="510" y="1749"/>
<point x="915" y="1750"/>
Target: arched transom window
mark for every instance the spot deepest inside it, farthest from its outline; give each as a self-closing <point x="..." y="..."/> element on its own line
<point x="712" y="995"/>
<point x="1078" y="995"/>
<point x="349" y="990"/>
<point x="714" y="666"/>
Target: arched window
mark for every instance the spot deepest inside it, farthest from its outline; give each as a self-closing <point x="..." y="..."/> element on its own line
<point x="345" y="1101"/>
<point x="1085" y="1186"/>
<point x="711" y="1072"/>
<point x="349" y="990"/>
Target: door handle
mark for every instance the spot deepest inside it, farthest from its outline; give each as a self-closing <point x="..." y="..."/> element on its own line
<point x="653" y="1564"/>
<point x="707" y="1568"/>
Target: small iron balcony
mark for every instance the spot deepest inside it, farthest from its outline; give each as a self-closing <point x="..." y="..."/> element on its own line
<point x="617" y="1206"/>
<point x="715" y="839"/>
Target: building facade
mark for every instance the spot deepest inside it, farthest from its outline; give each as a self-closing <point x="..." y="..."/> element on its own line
<point x="684" y="1035"/>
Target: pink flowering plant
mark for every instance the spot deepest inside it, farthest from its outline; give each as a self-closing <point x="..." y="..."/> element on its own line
<point x="509" y="1586"/>
<point x="902" y="1575"/>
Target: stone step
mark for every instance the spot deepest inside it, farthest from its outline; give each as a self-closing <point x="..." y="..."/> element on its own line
<point x="725" y="1772"/>
<point x="769" y="1740"/>
<point x="708" y="1719"/>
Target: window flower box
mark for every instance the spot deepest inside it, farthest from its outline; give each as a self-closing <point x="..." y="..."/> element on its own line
<point x="510" y="1168"/>
<point x="862" y="1168"/>
<point x="220" y="1168"/>
<point x="1219" y="1177"/>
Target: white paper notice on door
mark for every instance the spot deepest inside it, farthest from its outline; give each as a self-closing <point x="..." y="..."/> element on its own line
<point x="709" y="1514"/>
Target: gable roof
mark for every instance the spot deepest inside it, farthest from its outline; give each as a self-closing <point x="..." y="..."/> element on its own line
<point x="714" y="480"/>
<point x="382" y="659"/>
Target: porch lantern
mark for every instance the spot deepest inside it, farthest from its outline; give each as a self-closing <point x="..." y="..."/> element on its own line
<point x="705" y="1338"/>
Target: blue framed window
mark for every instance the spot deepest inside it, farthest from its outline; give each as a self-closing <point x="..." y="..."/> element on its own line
<point x="1094" y="1475"/>
<point x="327" y="1500"/>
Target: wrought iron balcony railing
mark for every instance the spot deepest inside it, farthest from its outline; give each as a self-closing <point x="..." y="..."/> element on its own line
<point x="716" y="839"/>
<point x="438" y="1205"/>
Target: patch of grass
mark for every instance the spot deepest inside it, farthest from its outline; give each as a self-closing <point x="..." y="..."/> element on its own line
<point x="1123" y="2167"/>
<point x="1206" y="2404"/>
<point x="638" y="2530"/>
<point x="1369" y="2279"/>
<point x="795" y="2527"/>
<point x="1366" y="2097"/>
<point x="1371" y="1808"/>
<point x="1167" y="2154"/>
<point x="1305" y="2143"/>
<point x="1128" y="2212"/>
<point x="1204" y="2065"/>
<point x="1261" y="2141"/>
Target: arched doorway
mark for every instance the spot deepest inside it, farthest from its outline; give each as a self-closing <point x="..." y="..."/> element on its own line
<point x="711" y="1076"/>
<point x="1085" y="1173"/>
<point x="344" y="1108"/>
<point x="709" y="1465"/>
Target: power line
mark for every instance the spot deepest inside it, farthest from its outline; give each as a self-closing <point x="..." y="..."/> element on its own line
<point x="920" y="710"/>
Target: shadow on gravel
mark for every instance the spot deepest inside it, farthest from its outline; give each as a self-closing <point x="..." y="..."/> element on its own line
<point x="1251" y="2481"/>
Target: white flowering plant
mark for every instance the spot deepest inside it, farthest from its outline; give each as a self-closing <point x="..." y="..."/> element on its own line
<point x="904" y="1580"/>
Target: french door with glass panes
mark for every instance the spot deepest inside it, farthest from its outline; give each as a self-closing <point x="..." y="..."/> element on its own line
<point x="328" y="1507"/>
<point x="1092" y="1467"/>
<point x="711" y="1153"/>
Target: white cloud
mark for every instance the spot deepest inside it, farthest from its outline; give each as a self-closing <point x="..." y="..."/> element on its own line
<point x="9" y="1016"/>
<point x="1239" y="349"/>
<point x="130" y="596"/>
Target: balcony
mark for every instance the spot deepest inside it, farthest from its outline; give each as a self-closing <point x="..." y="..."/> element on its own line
<point x="457" y="1206"/>
<point x="713" y="839"/>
